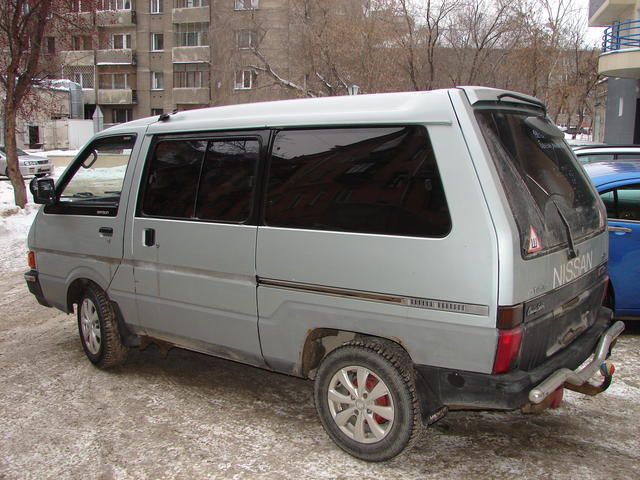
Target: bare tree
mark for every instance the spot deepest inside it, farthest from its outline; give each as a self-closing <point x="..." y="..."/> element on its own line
<point x="23" y="24"/>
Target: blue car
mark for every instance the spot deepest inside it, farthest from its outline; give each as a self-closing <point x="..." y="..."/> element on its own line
<point x="619" y="186"/>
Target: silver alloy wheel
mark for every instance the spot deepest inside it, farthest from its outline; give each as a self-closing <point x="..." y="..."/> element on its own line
<point x="90" y="325"/>
<point x="361" y="404"/>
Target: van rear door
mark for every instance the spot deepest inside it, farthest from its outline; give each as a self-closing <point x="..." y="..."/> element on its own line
<point x="557" y="271"/>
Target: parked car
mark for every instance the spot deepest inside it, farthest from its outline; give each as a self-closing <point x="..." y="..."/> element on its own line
<point x="619" y="186"/>
<point x="408" y="252"/>
<point x="29" y="164"/>
<point x="607" y="153"/>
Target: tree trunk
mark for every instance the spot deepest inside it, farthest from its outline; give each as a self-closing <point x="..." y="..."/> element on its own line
<point x="13" y="170"/>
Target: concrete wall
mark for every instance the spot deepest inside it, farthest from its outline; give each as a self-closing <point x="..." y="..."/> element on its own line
<point x="621" y="114"/>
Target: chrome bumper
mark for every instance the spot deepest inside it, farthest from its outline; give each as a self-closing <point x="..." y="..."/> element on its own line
<point x="578" y="379"/>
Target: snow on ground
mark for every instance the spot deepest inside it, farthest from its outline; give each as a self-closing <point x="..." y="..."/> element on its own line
<point x="14" y="226"/>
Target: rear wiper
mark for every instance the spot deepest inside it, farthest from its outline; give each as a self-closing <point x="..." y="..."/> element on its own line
<point x="571" y="244"/>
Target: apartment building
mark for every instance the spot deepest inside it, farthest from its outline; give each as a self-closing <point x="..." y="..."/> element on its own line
<point x="147" y="57"/>
<point x="619" y="62"/>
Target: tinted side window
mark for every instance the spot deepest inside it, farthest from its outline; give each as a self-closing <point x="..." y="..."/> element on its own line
<point x="369" y="180"/>
<point x="227" y="180"/>
<point x="629" y="203"/>
<point x="628" y="156"/>
<point x="623" y="203"/>
<point x="172" y="179"/>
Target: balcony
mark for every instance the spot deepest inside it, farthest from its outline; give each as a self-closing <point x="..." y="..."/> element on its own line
<point x="192" y="96"/>
<point x="190" y="15"/>
<point x="605" y="12"/>
<point x="77" y="58"/>
<point x="115" y="18"/>
<point x="116" y="96"/>
<point x="198" y="54"/>
<point x="119" y="56"/>
<point x="621" y="50"/>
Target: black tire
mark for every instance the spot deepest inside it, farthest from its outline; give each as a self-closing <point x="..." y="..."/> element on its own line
<point x="105" y="349"/>
<point x="392" y="365"/>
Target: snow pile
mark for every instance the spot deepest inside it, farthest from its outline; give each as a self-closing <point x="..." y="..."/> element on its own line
<point x="14" y="227"/>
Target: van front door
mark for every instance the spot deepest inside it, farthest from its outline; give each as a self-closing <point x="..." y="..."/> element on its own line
<point x="194" y="245"/>
<point x="80" y="237"/>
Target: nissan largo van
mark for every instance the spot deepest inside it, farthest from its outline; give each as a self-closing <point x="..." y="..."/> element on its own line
<point x="410" y="253"/>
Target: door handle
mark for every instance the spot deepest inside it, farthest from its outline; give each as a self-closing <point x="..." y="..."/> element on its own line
<point x="149" y="237"/>
<point x="619" y="230"/>
<point x="105" y="231"/>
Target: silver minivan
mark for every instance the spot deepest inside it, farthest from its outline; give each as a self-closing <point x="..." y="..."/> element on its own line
<point x="411" y="253"/>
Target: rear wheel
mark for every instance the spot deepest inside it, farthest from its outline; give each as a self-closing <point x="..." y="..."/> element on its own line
<point x="366" y="399"/>
<point x="98" y="327"/>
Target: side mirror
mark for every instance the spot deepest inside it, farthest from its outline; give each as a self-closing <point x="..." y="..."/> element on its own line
<point x="43" y="190"/>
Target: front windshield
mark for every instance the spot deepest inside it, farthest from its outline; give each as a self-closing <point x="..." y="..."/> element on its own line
<point x="18" y="151"/>
<point x="548" y="192"/>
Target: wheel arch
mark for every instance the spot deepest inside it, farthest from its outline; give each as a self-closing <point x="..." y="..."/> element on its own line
<point x="77" y="281"/>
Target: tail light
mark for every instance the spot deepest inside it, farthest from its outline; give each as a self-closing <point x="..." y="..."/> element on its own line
<point x="31" y="260"/>
<point x="508" y="348"/>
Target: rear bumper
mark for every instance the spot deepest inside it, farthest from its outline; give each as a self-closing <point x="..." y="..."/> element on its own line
<point x="33" y="283"/>
<point x="510" y="391"/>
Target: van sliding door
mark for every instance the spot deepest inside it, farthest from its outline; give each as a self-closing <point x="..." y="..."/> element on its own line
<point x="194" y="248"/>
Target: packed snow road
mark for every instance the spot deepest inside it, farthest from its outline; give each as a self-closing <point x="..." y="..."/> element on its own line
<point x="193" y="416"/>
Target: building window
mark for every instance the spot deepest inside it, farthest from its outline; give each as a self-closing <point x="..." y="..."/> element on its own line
<point x="113" y="81"/>
<point x="247" y="4"/>
<point x="157" y="81"/>
<point x="121" y="40"/>
<point x="244" y="80"/>
<point x="50" y="45"/>
<point x="81" y="42"/>
<point x="85" y="79"/>
<point x="157" y="42"/>
<point x="121" y="115"/>
<point x="191" y="3"/>
<point x="155" y="112"/>
<point x="191" y="75"/>
<point x="157" y="6"/>
<point x="191" y="34"/>
<point x="116" y="4"/>
<point x="246" y="39"/>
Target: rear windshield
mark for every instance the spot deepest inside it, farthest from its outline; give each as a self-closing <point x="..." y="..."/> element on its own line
<point x="547" y="190"/>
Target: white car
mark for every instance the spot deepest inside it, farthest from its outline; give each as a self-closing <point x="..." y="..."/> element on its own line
<point x="29" y="164"/>
<point x="607" y="153"/>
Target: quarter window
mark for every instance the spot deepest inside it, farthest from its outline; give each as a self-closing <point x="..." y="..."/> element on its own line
<point x="369" y="180"/>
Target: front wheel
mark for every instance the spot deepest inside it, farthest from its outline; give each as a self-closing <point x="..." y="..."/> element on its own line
<point x="98" y="327"/>
<point x="366" y="399"/>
